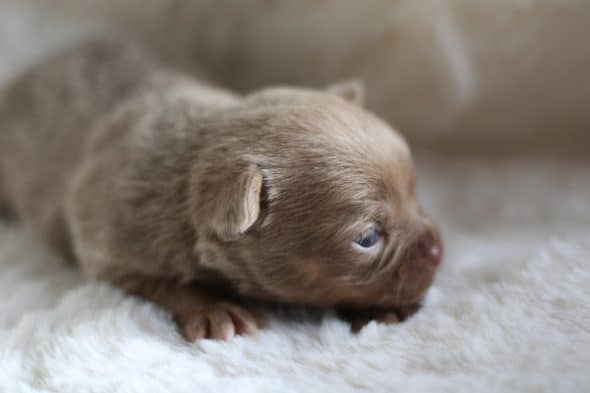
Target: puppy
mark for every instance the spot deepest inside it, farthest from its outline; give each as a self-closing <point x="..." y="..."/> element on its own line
<point x="194" y="197"/>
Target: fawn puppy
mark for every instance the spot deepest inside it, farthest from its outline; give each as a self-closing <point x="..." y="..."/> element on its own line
<point x="196" y="198"/>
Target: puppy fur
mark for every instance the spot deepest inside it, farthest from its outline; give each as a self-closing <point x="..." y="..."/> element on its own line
<point x="195" y="198"/>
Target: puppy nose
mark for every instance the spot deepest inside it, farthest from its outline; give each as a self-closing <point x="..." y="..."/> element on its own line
<point x="429" y="247"/>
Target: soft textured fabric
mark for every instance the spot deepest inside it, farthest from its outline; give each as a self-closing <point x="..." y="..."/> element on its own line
<point x="510" y="309"/>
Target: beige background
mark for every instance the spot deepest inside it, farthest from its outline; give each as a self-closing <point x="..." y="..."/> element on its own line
<point x="504" y="75"/>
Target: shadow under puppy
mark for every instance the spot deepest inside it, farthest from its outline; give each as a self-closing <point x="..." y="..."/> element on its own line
<point x="194" y="197"/>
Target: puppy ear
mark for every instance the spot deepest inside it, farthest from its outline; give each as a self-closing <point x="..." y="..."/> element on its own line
<point x="237" y="204"/>
<point x="351" y="90"/>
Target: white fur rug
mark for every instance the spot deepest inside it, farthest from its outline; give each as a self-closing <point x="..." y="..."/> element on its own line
<point x="510" y="310"/>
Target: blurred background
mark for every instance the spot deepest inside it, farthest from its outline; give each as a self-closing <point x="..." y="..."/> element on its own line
<point x="508" y="76"/>
<point x="493" y="96"/>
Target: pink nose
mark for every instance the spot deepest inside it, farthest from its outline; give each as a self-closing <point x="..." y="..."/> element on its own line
<point x="429" y="248"/>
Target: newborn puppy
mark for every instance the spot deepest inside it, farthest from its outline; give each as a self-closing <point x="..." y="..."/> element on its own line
<point x="195" y="198"/>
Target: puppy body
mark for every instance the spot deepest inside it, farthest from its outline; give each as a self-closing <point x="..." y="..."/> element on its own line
<point x="177" y="191"/>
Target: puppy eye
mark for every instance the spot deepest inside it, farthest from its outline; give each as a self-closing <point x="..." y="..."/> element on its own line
<point x="368" y="239"/>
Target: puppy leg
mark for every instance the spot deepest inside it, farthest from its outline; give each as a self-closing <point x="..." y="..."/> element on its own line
<point x="358" y="319"/>
<point x="198" y="312"/>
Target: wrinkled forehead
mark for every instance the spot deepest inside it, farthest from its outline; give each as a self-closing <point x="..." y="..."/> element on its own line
<point x="345" y="175"/>
<point x="367" y="157"/>
<point x="334" y="153"/>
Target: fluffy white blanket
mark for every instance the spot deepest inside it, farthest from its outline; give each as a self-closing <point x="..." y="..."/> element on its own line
<point x="510" y="310"/>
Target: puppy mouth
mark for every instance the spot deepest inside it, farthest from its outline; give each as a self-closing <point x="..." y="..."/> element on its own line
<point x="416" y="276"/>
<point x="414" y="272"/>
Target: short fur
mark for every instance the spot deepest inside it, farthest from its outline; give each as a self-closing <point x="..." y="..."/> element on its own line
<point x="188" y="195"/>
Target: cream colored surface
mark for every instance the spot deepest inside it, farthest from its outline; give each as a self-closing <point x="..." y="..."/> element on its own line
<point x="511" y="308"/>
<point x="509" y="312"/>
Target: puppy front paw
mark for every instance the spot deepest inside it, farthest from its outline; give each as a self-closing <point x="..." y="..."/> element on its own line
<point x="220" y="321"/>
<point x="360" y="318"/>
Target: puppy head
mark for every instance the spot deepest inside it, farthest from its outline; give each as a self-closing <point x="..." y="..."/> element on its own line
<point x="304" y="197"/>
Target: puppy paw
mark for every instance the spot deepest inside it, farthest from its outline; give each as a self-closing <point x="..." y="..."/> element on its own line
<point x="360" y="318"/>
<point x="220" y="321"/>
